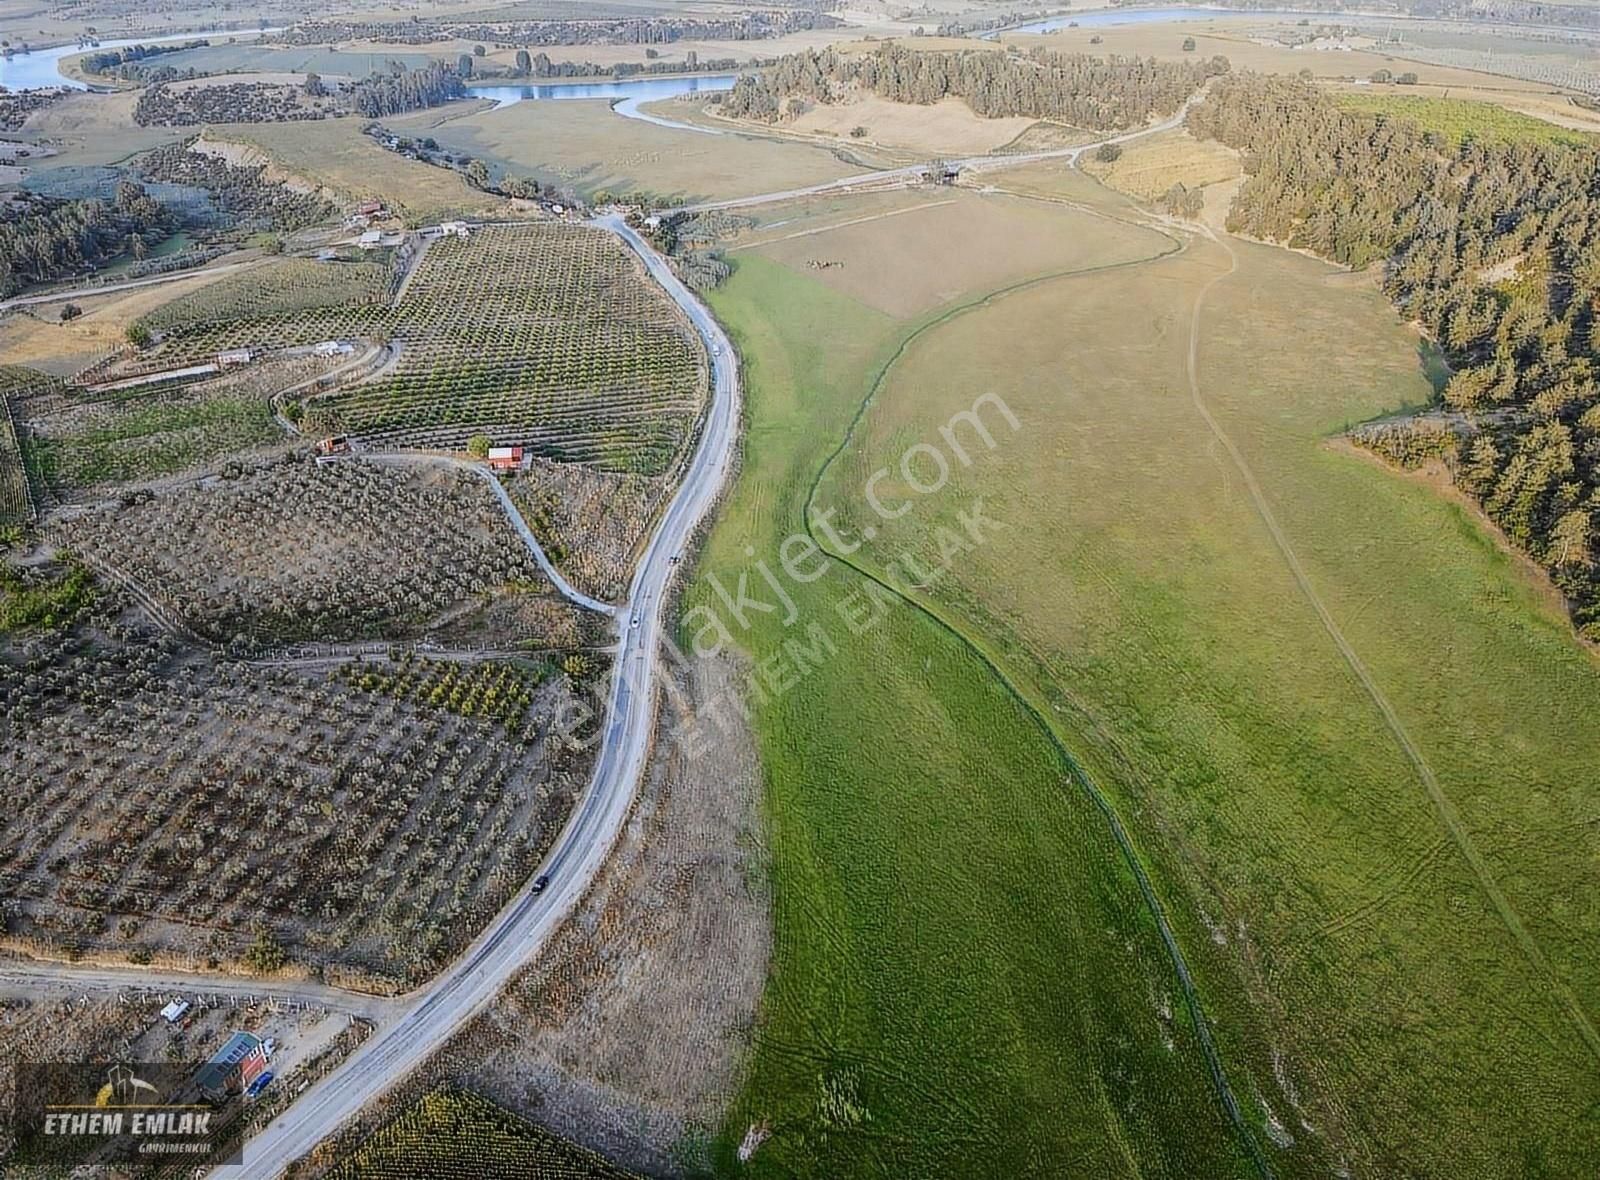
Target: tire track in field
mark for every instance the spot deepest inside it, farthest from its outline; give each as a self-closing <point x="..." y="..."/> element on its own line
<point x="1442" y="804"/>
<point x="1076" y="771"/>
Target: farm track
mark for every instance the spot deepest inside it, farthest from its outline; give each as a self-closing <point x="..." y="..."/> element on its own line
<point x="1036" y="711"/>
<point x="22" y="976"/>
<point x="1449" y="816"/>
<point x="567" y="589"/>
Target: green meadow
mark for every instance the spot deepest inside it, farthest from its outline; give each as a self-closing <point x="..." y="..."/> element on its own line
<point x="966" y="978"/>
<point x="1365" y="798"/>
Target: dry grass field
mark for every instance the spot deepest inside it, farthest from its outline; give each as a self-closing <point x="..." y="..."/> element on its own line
<point x="1148" y="167"/>
<point x="39" y="339"/>
<point x="334" y="155"/>
<point x="947" y="127"/>
<point x="940" y="243"/>
<point x="584" y="146"/>
<point x="589" y="522"/>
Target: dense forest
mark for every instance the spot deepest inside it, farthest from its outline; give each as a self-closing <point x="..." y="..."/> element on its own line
<point x="44" y="238"/>
<point x="1494" y="248"/>
<point x="540" y="66"/>
<point x="1106" y="94"/>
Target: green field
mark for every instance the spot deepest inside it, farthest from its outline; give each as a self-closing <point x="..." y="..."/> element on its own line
<point x="1460" y="119"/>
<point x="144" y="437"/>
<point x="584" y="146"/>
<point x="1391" y="974"/>
<point x="966" y="980"/>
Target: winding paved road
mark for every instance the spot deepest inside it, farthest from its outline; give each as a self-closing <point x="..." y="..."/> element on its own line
<point x="432" y="1015"/>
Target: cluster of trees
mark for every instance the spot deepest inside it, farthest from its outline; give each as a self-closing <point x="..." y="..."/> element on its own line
<point x="1105" y="94"/>
<point x="43" y="238"/>
<point x="236" y="102"/>
<point x="1494" y="247"/>
<point x="125" y="64"/>
<point x="393" y="91"/>
<point x="242" y="192"/>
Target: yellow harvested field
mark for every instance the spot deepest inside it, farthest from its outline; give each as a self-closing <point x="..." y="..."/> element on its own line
<point x="37" y="338"/>
<point x="1233" y="42"/>
<point x="947" y="126"/>
<point x="1149" y="167"/>
<point x="939" y="243"/>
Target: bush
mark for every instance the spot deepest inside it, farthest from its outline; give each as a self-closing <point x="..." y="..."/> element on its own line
<point x="478" y="446"/>
<point x="1108" y="153"/>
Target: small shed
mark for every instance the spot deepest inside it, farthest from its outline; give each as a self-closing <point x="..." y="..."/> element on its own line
<point x="505" y="458"/>
<point x="370" y="240"/>
<point x="175" y="1011"/>
<point x="235" y="356"/>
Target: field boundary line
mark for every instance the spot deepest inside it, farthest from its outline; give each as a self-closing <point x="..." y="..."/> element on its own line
<point x="1076" y="771"/>
<point x="823" y="229"/>
<point x="1443" y="805"/>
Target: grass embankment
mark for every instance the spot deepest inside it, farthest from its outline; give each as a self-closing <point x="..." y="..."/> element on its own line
<point x="1364" y="987"/>
<point x="966" y="980"/>
<point x="336" y="156"/>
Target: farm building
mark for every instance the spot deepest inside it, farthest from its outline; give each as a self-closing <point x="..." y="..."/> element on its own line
<point x="175" y="1011"/>
<point x="371" y="209"/>
<point x="234" y="1066"/>
<point x="333" y="348"/>
<point x="235" y="356"/>
<point x="454" y="229"/>
<point x="505" y="458"/>
<point x="370" y="240"/>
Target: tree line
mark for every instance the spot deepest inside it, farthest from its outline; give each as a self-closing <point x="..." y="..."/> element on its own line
<point x="1104" y="94"/>
<point x="44" y="238"/>
<point x="125" y="64"/>
<point x="597" y="30"/>
<point x="1494" y="248"/>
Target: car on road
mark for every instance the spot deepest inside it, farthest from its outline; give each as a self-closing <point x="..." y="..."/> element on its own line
<point x="541" y="882"/>
<point x="633" y="622"/>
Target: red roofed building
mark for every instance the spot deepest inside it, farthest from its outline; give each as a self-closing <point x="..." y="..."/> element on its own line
<point x="505" y="458"/>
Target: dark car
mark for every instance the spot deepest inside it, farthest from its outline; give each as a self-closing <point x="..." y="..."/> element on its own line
<point x="539" y="882"/>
